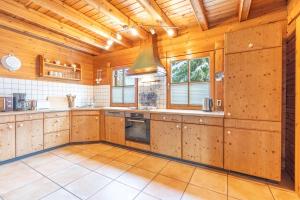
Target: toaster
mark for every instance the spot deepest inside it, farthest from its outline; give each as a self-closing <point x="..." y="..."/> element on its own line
<point x="6" y="104"/>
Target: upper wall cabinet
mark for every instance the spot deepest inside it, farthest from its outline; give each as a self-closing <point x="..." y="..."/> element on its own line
<point x="260" y="37"/>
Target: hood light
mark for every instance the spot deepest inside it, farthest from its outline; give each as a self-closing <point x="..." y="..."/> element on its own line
<point x="152" y="31"/>
<point x="109" y="42"/>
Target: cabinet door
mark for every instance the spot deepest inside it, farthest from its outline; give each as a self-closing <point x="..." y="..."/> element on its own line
<point x="29" y="137"/>
<point x="115" y="129"/>
<point x="253" y="85"/>
<point x="203" y="144"/>
<point x="7" y="141"/>
<point x="253" y="152"/>
<point x="85" y="128"/>
<point x="166" y="138"/>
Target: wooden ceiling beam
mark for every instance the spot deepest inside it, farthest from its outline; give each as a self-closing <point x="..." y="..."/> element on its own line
<point x="17" y="25"/>
<point x="158" y="14"/>
<point x="16" y="9"/>
<point x="106" y="8"/>
<point x="199" y="12"/>
<point x="82" y="20"/>
<point x="244" y="9"/>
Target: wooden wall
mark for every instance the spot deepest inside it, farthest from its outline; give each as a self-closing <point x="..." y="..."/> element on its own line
<point x="27" y="48"/>
<point x="189" y="41"/>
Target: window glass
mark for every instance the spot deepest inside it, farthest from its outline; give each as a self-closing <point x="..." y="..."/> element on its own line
<point x="129" y="80"/>
<point x="118" y="77"/>
<point x="179" y="93"/>
<point x="199" y="70"/>
<point x="179" y="71"/>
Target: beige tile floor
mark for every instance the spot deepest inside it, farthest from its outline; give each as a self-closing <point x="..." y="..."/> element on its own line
<point x="104" y="172"/>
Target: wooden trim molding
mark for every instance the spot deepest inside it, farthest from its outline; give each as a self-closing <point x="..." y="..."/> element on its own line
<point x="199" y="12"/>
<point x="211" y="55"/>
<point x="297" y="109"/>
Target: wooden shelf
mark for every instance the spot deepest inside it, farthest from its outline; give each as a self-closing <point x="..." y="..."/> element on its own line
<point x="66" y="72"/>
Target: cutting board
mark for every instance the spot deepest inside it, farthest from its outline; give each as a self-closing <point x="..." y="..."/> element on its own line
<point x="58" y="102"/>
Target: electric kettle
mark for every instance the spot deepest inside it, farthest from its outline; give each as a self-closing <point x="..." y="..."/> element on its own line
<point x="207" y="105"/>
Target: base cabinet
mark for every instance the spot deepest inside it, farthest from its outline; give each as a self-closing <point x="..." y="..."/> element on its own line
<point x="115" y="129"/>
<point x="166" y="138"/>
<point x="85" y="128"/>
<point x="7" y="141"/>
<point x="29" y="137"/>
<point x="203" y="144"/>
<point x="253" y="152"/>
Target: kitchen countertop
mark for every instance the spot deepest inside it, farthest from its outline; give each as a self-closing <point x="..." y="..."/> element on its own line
<point x="123" y="109"/>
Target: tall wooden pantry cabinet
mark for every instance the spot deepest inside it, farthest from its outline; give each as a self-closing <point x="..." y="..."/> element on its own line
<point x="253" y="90"/>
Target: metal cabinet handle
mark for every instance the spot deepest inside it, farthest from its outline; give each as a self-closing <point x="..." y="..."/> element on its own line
<point x="30" y="116"/>
<point x="185" y="127"/>
<point x="200" y="120"/>
<point x="134" y="120"/>
<point x="229" y="114"/>
<point x="21" y="125"/>
<point x="164" y="118"/>
<point x="250" y="45"/>
<point x="10" y="126"/>
<point x="96" y="117"/>
<point x="177" y="126"/>
<point x="228" y="132"/>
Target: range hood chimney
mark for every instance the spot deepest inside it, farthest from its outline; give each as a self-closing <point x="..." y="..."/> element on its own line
<point x="148" y="61"/>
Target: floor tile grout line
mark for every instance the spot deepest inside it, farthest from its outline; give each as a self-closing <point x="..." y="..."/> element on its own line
<point x="188" y="182"/>
<point x="271" y="192"/>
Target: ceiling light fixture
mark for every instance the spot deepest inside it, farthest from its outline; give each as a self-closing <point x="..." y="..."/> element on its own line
<point x="170" y="32"/>
<point x="133" y="31"/>
<point x="119" y="36"/>
<point x="109" y="42"/>
<point x="152" y="31"/>
<point x="107" y="47"/>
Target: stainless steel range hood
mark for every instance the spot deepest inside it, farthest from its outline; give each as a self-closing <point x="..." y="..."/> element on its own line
<point x="147" y="61"/>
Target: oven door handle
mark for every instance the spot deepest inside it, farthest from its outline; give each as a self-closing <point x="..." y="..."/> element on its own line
<point x="134" y="120"/>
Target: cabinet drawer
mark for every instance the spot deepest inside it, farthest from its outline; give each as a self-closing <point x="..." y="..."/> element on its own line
<point x="56" y="124"/>
<point x="166" y="117"/>
<point x="216" y="121"/>
<point x="7" y="141"/>
<point x="260" y="37"/>
<point x="86" y="112"/>
<point x="56" y="139"/>
<point x="25" y="117"/>
<point x="56" y="114"/>
<point x="253" y="152"/>
<point x="7" y="119"/>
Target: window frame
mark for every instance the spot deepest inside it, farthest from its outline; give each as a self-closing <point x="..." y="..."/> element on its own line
<point x="211" y="56"/>
<point x="135" y="104"/>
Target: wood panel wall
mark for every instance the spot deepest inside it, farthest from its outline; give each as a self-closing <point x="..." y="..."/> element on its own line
<point x="189" y="41"/>
<point x="27" y="48"/>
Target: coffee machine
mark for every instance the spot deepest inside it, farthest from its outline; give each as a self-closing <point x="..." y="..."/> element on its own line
<point x="19" y="101"/>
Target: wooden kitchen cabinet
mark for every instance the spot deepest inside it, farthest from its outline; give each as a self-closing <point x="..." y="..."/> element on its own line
<point x="85" y="128"/>
<point x="253" y="85"/>
<point x="115" y="129"/>
<point x="29" y="136"/>
<point x="7" y="141"/>
<point x="203" y="144"/>
<point x="166" y="138"/>
<point x="55" y="124"/>
<point x="56" y="139"/>
<point x="253" y="152"/>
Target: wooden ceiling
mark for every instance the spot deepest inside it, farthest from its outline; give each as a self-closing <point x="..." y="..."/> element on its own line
<point x="96" y="21"/>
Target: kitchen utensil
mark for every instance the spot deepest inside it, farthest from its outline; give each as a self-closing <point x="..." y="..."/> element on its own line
<point x="19" y="101"/>
<point x="6" y="104"/>
<point x="207" y="105"/>
<point x="71" y="100"/>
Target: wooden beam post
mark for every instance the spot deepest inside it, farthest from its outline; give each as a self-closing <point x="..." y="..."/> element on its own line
<point x="35" y="17"/>
<point x="297" y="109"/>
<point x="103" y="6"/>
<point x="244" y="9"/>
<point x="199" y="12"/>
<point x="82" y="20"/>
<point x="157" y="13"/>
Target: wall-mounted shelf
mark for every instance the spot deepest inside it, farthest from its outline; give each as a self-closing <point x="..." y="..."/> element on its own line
<point x="59" y="71"/>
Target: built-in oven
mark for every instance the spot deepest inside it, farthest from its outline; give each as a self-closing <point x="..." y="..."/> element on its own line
<point x="137" y="127"/>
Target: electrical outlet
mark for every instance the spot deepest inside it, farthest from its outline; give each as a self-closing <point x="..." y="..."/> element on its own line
<point x="219" y="102"/>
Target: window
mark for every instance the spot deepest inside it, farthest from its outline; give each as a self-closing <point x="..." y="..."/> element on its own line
<point x="189" y="81"/>
<point x="123" y="88"/>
